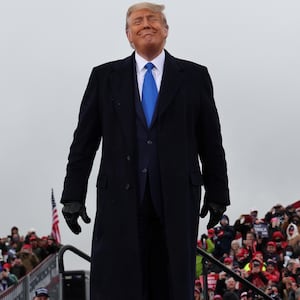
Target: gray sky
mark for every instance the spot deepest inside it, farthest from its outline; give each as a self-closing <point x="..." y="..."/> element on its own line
<point x="48" y="49"/>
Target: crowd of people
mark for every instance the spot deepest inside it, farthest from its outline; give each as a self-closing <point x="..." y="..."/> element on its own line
<point x="20" y="254"/>
<point x="265" y="251"/>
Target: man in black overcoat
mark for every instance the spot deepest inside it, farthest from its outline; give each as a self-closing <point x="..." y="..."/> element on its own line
<point x="149" y="181"/>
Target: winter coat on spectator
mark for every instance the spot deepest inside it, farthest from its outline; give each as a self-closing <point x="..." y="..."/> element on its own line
<point x="28" y="258"/>
<point x="225" y="235"/>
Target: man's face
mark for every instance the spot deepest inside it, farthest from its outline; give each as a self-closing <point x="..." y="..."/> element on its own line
<point x="147" y="31"/>
<point x="231" y="284"/>
<point x="271" y="249"/>
<point x="41" y="298"/>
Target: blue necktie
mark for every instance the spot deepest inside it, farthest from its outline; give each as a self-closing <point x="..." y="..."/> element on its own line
<point x="149" y="94"/>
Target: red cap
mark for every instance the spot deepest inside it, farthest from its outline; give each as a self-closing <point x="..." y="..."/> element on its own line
<point x="6" y="266"/>
<point x="292" y="279"/>
<point x="26" y="246"/>
<point x="210" y="232"/>
<point x="242" y="252"/>
<point x="270" y="243"/>
<point x="278" y="235"/>
<point x="228" y="260"/>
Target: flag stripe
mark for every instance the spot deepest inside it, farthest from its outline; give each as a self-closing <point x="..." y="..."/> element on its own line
<point x="55" y="228"/>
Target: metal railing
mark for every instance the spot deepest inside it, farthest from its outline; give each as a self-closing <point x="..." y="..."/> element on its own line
<point x="62" y="250"/>
<point x="74" y="285"/>
<point x="46" y="275"/>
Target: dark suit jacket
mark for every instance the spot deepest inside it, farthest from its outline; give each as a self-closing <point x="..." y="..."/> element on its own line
<point x="187" y="128"/>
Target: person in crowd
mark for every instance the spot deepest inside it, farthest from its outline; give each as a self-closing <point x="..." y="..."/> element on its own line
<point x="52" y="246"/>
<point x="273" y="291"/>
<point x="256" y="275"/>
<point x="231" y="292"/>
<point x="41" y="294"/>
<point x="290" y="269"/>
<point x="39" y="251"/>
<point x="197" y="294"/>
<point x="6" y="278"/>
<point x="29" y="259"/>
<point x="206" y="242"/>
<point x="289" y="288"/>
<point x="244" y="295"/>
<point x="288" y="254"/>
<point x="280" y="242"/>
<point x="243" y="225"/>
<point x="243" y="257"/>
<point x="221" y="284"/>
<point x="228" y="262"/>
<point x="297" y="294"/>
<point x="235" y="246"/>
<point x="17" y="267"/>
<point x="254" y="216"/>
<point x="225" y="236"/>
<point x="3" y="246"/>
<point x="30" y="233"/>
<point x="277" y="211"/>
<point x="247" y="251"/>
<point x="16" y="242"/>
<point x="250" y="243"/>
<point x="260" y="257"/>
<point x="150" y="179"/>
<point x="272" y="273"/>
<point x="271" y="253"/>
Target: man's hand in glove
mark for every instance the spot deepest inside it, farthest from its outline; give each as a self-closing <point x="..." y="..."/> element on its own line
<point x="216" y="211"/>
<point x="71" y="213"/>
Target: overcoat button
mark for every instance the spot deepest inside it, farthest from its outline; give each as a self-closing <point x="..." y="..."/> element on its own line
<point x="128" y="157"/>
<point x="144" y="170"/>
<point x="149" y="142"/>
<point x="127" y="186"/>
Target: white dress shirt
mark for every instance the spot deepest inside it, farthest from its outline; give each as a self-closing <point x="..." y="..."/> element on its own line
<point x="157" y="71"/>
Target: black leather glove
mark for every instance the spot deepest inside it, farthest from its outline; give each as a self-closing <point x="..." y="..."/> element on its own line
<point x="71" y="212"/>
<point x="216" y="212"/>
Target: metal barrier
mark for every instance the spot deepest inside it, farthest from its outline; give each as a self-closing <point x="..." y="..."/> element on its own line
<point x="45" y="274"/>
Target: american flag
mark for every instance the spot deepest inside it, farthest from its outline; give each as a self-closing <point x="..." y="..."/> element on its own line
<point x="55" y="228"/>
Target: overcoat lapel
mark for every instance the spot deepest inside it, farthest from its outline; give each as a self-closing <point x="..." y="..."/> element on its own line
<point x="170" y="84"/>
<point x="122" y="83"/>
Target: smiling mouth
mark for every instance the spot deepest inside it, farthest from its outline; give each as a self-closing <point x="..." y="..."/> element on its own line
<point x="145" y="33"/>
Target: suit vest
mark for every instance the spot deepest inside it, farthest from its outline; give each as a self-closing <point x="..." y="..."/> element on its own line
<point x="147" y="157"/>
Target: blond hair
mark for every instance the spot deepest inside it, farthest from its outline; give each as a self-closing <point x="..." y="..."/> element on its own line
<point x="156" y="8"/>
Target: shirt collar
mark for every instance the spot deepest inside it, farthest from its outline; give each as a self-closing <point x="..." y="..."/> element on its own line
<point x="158" y="62"/>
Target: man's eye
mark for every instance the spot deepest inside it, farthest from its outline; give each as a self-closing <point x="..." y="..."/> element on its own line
<point x="153" y="19"/>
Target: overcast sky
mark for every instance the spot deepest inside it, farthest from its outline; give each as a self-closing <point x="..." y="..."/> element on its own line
<point x="48" y="49"/>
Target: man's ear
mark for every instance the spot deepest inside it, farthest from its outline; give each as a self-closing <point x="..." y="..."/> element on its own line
<point x="129" y="37"/>
<point x="166" y="31"/>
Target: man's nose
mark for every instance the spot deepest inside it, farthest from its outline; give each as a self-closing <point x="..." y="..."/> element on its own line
<point x="146" y="23"/>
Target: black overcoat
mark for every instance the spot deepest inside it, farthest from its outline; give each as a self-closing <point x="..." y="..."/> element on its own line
<point x="187" y="129"/>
